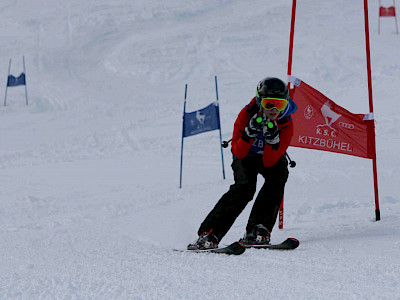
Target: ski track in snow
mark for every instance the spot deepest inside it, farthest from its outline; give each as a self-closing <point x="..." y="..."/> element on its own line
<point x="89" y="201"/>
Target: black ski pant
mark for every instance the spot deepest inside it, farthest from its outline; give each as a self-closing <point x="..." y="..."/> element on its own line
<point x="266" y="205"/>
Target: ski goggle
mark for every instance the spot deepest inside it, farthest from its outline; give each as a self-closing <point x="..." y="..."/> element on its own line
<point x="271" y="103"/>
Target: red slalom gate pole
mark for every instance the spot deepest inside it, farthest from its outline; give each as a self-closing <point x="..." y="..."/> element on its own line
<point x="289" y="69"/>
<point x="289" y="72"/>
<point x="281" y="214"/>
<point x="371" y="109"/>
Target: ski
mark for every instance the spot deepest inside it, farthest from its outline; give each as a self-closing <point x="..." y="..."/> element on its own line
<point x="235" y="248"/>
<point x="288" y="244"/>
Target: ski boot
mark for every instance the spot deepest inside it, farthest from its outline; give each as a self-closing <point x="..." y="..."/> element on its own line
<point x="205" y="241"/>
<point x="258" y="236"/>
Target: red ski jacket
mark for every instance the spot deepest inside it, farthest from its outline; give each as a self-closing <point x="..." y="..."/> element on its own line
<point x="242" y="145"/>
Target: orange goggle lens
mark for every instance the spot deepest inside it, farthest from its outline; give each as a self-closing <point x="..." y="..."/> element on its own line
<point x="271" y="103"/>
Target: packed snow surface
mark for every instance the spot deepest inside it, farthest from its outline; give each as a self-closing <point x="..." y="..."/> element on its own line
<point x="90" y="205"/>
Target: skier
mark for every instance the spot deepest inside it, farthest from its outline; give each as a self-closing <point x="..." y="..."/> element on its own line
<point x="261" y="135"/>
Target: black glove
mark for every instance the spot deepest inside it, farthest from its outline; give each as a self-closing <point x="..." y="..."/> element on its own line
<point x="256" y="125"/>
<point x="271" y="132"/>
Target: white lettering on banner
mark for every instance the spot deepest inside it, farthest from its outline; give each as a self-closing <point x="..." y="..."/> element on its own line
<point x="346" y="125"/>
<point x="326" y="132"/>
<point x="325" y="143"/>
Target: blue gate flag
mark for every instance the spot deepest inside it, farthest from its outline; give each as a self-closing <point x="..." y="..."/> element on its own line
<point x="203" y="120"/>
<point x="15" y="81"/>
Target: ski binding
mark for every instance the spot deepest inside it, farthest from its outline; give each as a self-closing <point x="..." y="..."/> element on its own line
<point x="235" y="248"/>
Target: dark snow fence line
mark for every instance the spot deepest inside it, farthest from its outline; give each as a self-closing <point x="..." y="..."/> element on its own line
<point x="321" y="124"/>
<point x="13" y="81"/>
<point x="199" y="121"/>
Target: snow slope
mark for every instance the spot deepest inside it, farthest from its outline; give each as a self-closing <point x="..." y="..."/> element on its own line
<point x="89" y="201"/>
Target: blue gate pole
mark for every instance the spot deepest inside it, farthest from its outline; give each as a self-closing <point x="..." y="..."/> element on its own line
<point x="26" y="89"/>
<point x="5" y="96"/>
<point x="183" y="130"/>
<point x="219" y="125"/>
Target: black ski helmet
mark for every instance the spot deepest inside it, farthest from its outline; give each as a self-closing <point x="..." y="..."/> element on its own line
<point x="271" y="87"/>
